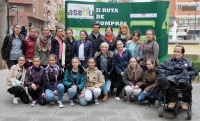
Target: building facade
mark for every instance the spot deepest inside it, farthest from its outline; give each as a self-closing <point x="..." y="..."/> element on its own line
<point x="34" y="12"/>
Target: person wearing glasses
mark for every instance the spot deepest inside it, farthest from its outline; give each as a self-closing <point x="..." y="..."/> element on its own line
<point x="178" y="70"/>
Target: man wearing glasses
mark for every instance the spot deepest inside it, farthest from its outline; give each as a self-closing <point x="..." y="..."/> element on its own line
<point x="178" y="70"/>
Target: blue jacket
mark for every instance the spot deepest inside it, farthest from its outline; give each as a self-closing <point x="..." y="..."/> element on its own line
<point x="122" y="63"/>
<point x="80" y="80"/>
<point x="88" y="49"/>
<point x="137" y="51"/>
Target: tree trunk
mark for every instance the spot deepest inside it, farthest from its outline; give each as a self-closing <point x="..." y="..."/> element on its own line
<point x="3" y="23"/>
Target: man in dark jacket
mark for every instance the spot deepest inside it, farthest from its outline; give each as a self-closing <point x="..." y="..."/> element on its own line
<point x="179" y="71"/>
<point x="96" y="38"/>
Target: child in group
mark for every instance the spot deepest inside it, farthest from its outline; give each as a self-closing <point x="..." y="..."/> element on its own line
<point x="43" y="45"/>
<point x="17" y="74"/>
<point x="33" y="80"/>
<point x="52" y="80"/>
<point x="132" y="75"/>
<point x="29" y="44"/>
<point x="84" y="48"/>
<point x="150" y="80"/>
<point x="94" y="82"/>
<point x="74" y="81"/>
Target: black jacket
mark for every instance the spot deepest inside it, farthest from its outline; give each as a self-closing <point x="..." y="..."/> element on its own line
<point x="70" y="50"/>
<point x="50" y="82"/>
<point x="7" y="46"/>
<point x="55" y="46"/>
<point x="96" y="42"/>
<point x="112" y="45"/>
<point x="110" y="63"/>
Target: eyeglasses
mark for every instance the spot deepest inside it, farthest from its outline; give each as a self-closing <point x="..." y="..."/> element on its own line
<point x="177" y="52"/>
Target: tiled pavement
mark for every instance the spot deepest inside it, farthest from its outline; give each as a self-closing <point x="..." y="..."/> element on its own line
<point x="106" y="111"/>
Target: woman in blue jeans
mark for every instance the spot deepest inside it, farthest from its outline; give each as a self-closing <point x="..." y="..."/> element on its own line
<point x="74" y="81"/>
<point x="105" y="63"/>
<point x="149" y="82"/>
<point x="52" y="79"/>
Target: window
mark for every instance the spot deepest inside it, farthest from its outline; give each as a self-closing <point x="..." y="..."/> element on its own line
<point x="188" y="21"/>
<point x="33" y="9"/>
<point x="179" y="6"/>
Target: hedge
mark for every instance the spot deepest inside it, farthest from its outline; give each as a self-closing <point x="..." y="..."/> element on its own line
<point x="197" y="65"/>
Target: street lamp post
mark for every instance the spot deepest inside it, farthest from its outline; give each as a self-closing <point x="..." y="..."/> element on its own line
<point x="14" y="7"/>
<point x="195" y="21"/>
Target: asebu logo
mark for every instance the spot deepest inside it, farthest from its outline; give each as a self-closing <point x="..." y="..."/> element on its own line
<point x="83" y="11"/>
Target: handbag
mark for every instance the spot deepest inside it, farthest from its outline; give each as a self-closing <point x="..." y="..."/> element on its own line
<point x="16" y="82"/>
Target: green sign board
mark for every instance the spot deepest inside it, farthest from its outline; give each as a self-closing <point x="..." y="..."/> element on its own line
<point x="137" y="15"/>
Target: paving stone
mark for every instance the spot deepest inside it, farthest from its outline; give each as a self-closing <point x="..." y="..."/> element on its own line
<point x="90" y="106"/>
<point x="87" y="119"/>
<point x="72" y="113"/>
<point x="52" y="119"/>
<point x="8" y="112"/>
<point x="11" y="118"/>
<point x="99" y="113"/>
<point x="121" y="119"/>
<point x="118" y="107"/>
<point x="40" y="112"/>
<point x="148" y="116"/>
<point x="128" y="113"/>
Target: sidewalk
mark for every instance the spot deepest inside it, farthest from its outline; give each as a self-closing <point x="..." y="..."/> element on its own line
<point x="106" y="111"/>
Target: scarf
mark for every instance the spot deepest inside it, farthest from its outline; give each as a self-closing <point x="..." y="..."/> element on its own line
<point x="54" y="69"/>
<point x="44" y="42"/>
<point x="109" y="39"/>
<point x="122" y="36"/>
<point x="138" y="72"/>
<point x="32" y="38"/>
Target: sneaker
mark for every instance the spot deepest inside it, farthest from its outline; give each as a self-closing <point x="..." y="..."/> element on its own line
<point x="96" y="101"/>
<point x="71" y="102"/>
<point x="127" y="100"/>
<point x="105" y="98"/>
<point x="184" y="106"/>
<point x="132" y="96"/>
<point x="52" y="102"/>
<point x="171" y="105"/>
<point x="33" y="103"/>
<point x="60" y="104"/>
<point x="15" y="100"/>
<point x="117" y="98"/>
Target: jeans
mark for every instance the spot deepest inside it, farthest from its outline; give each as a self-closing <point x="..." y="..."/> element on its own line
<point x="50" y="94"/>
<point x="142" y="96"/>
<point x="72" y="92"/>
<point x="106" y="86"/>
<point x="84" y="63"/>
<point x="89" y="94"/>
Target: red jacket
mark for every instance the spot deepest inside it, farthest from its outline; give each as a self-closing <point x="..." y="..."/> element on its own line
<point x="29" y="48"/>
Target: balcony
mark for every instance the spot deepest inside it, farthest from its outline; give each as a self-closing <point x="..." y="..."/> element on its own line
<point x="187" y="13"/>
<point x="48" y="8"/>
<point x="28" y="2"/>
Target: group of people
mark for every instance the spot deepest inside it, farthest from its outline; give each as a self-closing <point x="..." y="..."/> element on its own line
<point x="87" y="68"/>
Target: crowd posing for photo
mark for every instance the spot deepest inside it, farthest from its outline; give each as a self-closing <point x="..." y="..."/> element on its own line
<point x="43" y="66"/>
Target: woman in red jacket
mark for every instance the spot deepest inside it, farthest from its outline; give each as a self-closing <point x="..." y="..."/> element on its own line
<point x="29" y="44"/>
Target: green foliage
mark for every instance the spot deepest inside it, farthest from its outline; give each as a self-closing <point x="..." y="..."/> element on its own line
<point x="197" y="65"/>
<point x="61" y="16"/>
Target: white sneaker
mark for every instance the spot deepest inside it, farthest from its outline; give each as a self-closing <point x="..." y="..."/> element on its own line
<point x="15" y="100"/>
<point x="60" y="104"/>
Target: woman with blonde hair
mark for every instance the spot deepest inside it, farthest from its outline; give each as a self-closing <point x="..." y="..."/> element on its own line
<point x="124" y="33"/>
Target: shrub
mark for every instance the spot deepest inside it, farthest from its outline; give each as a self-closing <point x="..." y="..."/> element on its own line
<point x="197" y="65"/>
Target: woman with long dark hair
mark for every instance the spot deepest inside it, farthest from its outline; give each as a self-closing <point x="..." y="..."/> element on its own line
<point x="13" y="46"/>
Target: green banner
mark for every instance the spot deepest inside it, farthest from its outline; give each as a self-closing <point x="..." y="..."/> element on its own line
<point x="137" y="15"/>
